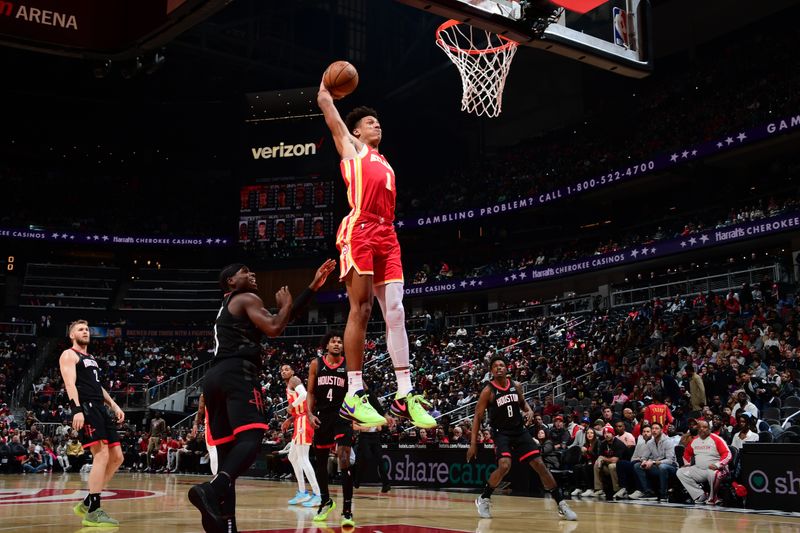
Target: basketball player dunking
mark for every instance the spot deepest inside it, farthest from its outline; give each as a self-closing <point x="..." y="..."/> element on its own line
<point x="301" y="439"/>
<point x="507" y="406"/>
<point x="370" y="262"/>
<point x="98" y="432"/>
<point x="234" y="407"/>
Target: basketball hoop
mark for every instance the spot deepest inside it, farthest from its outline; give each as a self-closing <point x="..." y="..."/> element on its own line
<point x="483" y="59"/>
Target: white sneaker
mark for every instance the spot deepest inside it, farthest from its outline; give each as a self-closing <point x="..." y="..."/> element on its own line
<point x="600" y="494"/>
<point x="637" y="495"/>
<point x="565" y="512"/>
<point x="621" y="494"/>
<point x="484" y="506"/>
<point x="588" y="493"/>
<point x="575" y="493"/>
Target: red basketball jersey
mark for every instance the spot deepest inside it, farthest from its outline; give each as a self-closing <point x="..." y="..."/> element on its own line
<point x="300" y="410"/>
<point x="370" y="185"/>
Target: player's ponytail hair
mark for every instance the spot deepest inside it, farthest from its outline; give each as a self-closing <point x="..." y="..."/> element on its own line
<point x="354" y="117"/>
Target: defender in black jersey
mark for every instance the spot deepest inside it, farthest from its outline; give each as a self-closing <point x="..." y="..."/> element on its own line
<point x="234" y="407"/>
<point x="508" y="414"/>
<point x="87" y="399"/>
<point x="327" y="386"/>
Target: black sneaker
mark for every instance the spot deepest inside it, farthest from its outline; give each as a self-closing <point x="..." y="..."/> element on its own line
<point x="205" y="499"/>
<point x="386" y="488"/>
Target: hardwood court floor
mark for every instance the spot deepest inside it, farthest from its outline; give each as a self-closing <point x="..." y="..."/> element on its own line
<point x="157" y="503"/>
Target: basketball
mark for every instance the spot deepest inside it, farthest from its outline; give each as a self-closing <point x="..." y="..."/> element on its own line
<point x="340" y="78"/>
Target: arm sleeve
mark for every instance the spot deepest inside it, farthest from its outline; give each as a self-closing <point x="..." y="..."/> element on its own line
<point x="300" y="303"/>
<point x="301" y="395"/>
<point x="722" y="449"/>
<point x="688" y="453"/>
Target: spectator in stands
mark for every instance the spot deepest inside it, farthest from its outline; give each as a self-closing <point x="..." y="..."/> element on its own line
<point x="658" y="461"/>
<point x="611" y="450"/>
<point x="627" y="439"/>
<point x="658" y="411"/>
<point x="458" y="436"/>
<point x="584" y="470"/>
<point x="75" y="452"/>
<point x="745" y="431"/>
<point x="559" y="434"/>
<point x="625" y="472"/>
<point x="697" y="390"/>
<point x="628" y="419"/>
<point x="711" y="457"/>
<point x="744" y="405"/>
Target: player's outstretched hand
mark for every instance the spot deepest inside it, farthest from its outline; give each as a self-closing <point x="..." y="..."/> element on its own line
<point x="119" y="414"/>
<point x="322" y="274"/>
<point x="283" y="297"/>
<point x="312" y="418"/>
<point x="472" y="453"/>
<point x="285" y="425"/>
<point x="528" y="417"/>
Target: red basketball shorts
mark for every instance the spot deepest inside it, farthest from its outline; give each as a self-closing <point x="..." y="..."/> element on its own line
<point x="369" y="245"/>
<point x="303" y="431"/>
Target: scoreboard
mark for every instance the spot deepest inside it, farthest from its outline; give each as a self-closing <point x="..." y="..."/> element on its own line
<point x="9" y="264"/>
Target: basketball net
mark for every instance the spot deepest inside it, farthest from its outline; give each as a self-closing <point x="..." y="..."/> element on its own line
<point x="483" y="59"/>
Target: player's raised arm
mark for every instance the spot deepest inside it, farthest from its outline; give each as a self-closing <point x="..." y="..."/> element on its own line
<point x="271" y="325"/>
<point x="480" y="408"/>
<point x="347" y="145"/>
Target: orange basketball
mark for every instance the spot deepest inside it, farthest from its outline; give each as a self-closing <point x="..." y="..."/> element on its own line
<point x="340" y="78"/>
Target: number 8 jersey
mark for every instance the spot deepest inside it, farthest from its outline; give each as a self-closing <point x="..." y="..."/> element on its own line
<point x="87" y="378"/>
<point x="331" y="385"/>
<point x="504" y="410"/>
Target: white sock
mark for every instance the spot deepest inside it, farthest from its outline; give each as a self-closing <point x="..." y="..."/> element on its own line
<point x="404" y="385"/>
<point x="354" y="383"/>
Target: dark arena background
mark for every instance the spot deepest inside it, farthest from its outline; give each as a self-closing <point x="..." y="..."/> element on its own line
<point x="626" y="230"/>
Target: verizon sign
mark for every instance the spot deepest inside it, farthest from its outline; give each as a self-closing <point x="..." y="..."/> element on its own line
<point x="284" y="150"/>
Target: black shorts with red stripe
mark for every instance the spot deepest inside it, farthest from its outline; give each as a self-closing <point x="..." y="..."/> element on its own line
<point x="98" y="426"/>
<point x="515" y="444"/>
<point x="333" y="430"/>
<point x="233" y="400"/>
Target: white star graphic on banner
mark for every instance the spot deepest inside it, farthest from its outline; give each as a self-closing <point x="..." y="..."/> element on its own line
<point x="741" y="137"/>
<point x="472" y="283"/>
<point x="216" y="241"/>
<point x="692" y="241"/>
<point x="729" y="140"/>
<point x="506" y="278"/>
<point x="685" y="154"/>
<point x="522" y="275"/>
<point x="635" y="254"/>
<point x="673" y="157"/>
<point x="224" y="241"/>
<point x="513" y="276"/>
<point x="56" y="235"/>
<point x="400" y="224"/>
<point x="694" y="153"/>
<point x="705" y="239"/>
<point x="644" y="251"/>
<point x="683" y="244"/>
<point x="463" y="283"/>
<point x="88" y="238"/>
<point x="64" y="235"/>
<point x="480" y="283"/>
<point x="105" y="237"/>
<point x="72" y="237"/>
<point x="209" y="241"/>
<point x="339" y="296"/>
<point x="719" y="145"/>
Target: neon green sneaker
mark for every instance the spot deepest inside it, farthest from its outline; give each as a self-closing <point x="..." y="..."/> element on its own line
<point x="80" y="509"/>
<point x="357" y="408"/>
<point x="99" y="518"/>
<point x="347" y="520"/>
<point x="324" y="510"/>
<point x="414" y="408"/>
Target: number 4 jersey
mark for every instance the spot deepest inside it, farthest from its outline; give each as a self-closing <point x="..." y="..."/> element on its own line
<point x="87" y="378"/>
<point x="331" y="385"/>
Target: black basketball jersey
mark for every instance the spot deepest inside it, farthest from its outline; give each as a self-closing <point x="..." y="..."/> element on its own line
<point x="236" y="336"/>
<point x="504" y="410"/>
<point x="87" y="378"/>
<point x="331" y="386"/>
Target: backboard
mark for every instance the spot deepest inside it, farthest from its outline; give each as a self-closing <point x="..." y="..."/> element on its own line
<point x="614" y="35"/>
